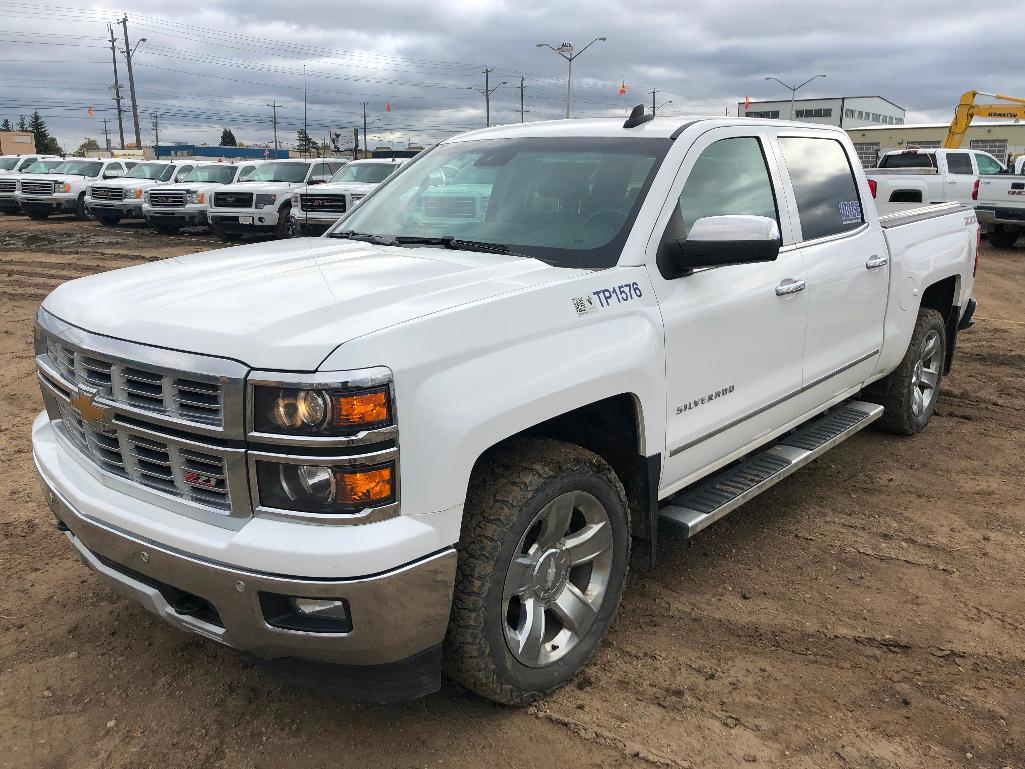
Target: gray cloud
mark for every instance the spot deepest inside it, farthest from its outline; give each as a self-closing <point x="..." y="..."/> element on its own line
<point x="206" y="66"/>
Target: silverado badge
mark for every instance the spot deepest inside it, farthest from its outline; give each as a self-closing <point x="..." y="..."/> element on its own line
<point x="98" y="417"/>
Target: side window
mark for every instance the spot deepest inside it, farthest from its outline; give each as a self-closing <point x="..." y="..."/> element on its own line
<point x="824" y="186"/>
<point x="321" y="173"/>
<point x="130" y="165"/>
<point x="959" y="163"/>
<point x="245" y="171"/>
<point x="167" y="174"/>
<point x="730" y="177"/>
<point x="183" y="171"/>
<point x="113" y="171"/>
<point x="987" y="165"/>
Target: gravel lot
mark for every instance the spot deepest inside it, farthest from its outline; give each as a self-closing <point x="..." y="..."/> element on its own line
<point x="867" y="612"/>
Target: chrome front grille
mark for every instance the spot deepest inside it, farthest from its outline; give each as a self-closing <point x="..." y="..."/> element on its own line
<point x="191" y="474"/>
<point x="189" y="398"/>
<point x="167" y="198"/>
<point x="107" y="193"/>
<point x="330" y="203"/>
<point x="30" y="187"/>
<point x="8" y="187"/>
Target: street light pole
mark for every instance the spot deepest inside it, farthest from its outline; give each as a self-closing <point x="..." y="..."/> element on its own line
<point x="565" y="50"/>
<point x="794" y="89"/>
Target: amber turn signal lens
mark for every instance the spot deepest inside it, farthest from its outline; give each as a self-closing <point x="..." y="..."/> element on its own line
<point x="363" y="486"/>
<point x="365" y="409"/>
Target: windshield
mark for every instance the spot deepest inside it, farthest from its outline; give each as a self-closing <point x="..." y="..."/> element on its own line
<point x="147" y="171"/>
<point x="365" y="173"/>
<point x="6" y="164"/>
<point x="279" y="172"/>
<point x="908" y="160"/>
<point x="43" y="166"/>
<point x="219" y="174"/>
<point x="79" y="167"/>
<point x="567" y="201"/>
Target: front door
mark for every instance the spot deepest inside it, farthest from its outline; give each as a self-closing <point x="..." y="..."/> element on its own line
<point x="847" y="268"/>
<point x="733" y="342"/>
<point x="960" y="178"/>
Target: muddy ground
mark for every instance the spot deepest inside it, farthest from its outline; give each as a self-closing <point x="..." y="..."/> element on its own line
<point x="867" y="612"/>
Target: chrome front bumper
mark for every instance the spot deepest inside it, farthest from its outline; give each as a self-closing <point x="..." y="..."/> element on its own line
<point x="395" y="615"/>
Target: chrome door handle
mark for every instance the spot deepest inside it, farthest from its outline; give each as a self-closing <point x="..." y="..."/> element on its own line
<point x="876" y="261"/>
<point x="790" y="287"/>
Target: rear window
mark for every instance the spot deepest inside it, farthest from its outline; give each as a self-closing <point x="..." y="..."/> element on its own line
<point x="908" y="160"/>
<point x="827" y="194"/>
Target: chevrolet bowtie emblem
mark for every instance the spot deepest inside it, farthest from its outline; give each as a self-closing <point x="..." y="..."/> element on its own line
<point x="96" y="416"/>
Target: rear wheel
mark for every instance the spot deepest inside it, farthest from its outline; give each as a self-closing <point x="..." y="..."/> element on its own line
<point x="1003" y="237"/>
<point x="38" y="214"/>
<point x="914" y="387"/>
<point x="543" y="558"/>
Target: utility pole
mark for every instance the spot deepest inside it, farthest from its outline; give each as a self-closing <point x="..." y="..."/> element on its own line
<point x="156" y="135"/>
<point x="131" y="83"/>
<point x="486" y="93"/>
<point x="521" y="99"/>
<point x="274" y="119"/>
<point x="106" y="135"/>
<point x="565" y="50"/>
<point x="305" y="131"/>
<point x="794" y="89"/>
<point x="653" y="107"/>
<point x="117" y="89"/>
<point x="365" y="140"/>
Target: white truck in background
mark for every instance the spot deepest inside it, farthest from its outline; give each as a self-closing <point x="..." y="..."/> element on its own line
<point x="1001" y="206"/>
<point x="111" y="201"/>
<point x="62" y="189"/>
<point x="9" y="180"/>
<point x="314" y="209"/>
<point x="409" y="444"/>
<point x="185" y="203"/>
<point x="913" y="177"/>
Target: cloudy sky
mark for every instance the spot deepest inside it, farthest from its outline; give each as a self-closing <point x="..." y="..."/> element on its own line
<point x="219" y="63"/>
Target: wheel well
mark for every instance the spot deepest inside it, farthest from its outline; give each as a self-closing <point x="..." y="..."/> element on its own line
<point x="612" y="429"/>
<point x="940" y="297"/>
<point x="906" y="196"/>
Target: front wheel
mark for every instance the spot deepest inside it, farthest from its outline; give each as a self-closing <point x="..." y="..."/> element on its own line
<point x="1004" y="237"/>
<point x="543" y="558"/>
<point x="81" y="214"/>
<point x="292" y="228"/>
<point x="281" y="228"/>
<point x="914" y="387"/>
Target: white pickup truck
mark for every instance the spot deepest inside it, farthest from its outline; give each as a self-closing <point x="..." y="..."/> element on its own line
<point x="314" y="209"/>
<point x="185" y="203"/>
<point x="1001" y="205"/>
<point x="912" y="177"/>
<point x="111" y="201"/>
<point x="401" y="445"/>
<point x="262" y="202"/>
<point x="62" y="189"/>
<point x="9" y="180"/>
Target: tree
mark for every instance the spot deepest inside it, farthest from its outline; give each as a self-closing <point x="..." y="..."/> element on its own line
<point x="22" y="123"/>
<point x="304" y="143"/>
<point x="228" y="138"/>
<point x="45" y="144"/>
<point x="6" y="125"/>
<point x="87" y="145"/>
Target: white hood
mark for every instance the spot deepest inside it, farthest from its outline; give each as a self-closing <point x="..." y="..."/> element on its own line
<point x="276" y="188"/>
<point x="286" y="304"/>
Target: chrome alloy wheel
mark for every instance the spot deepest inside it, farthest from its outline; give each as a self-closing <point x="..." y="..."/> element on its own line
<point x="558" y="579"/>
<point x="925" y="377"/>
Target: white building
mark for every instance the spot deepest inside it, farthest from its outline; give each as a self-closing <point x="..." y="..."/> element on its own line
<point x="844" y="111"/>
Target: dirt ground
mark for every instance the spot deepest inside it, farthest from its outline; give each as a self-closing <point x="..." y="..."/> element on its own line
<point x="867" y="612"/>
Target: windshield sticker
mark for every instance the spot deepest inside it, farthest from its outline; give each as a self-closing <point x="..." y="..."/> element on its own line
<point x="850" y="211"/>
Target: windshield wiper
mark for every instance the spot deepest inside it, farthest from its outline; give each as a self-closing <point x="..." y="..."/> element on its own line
<point x="452" y="242"/>
<point x="380" y="240"/>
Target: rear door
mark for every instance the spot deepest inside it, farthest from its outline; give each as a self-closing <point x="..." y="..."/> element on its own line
<point x="733" y="340"/>
<point x="846" y="262"/>
<point x="960" y="180"/>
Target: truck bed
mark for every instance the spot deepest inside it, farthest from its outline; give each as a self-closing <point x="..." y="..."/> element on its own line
<point x="901" y="172"/>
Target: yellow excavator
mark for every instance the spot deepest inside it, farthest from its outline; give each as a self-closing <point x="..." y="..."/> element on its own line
<point x="967" y="110"/>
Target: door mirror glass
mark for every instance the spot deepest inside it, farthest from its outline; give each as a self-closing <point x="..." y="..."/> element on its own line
<point x="715" y="241"/>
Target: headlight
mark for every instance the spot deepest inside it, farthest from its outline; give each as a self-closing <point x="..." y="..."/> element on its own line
<point x="262" y="201"/>
<point x="356" y="198"/>
<point x="325" y="488"/>
<point x="145" y="196"/>
<point x="320" y="412"/>
<point x="195" y="197"/>
<point x="66" y="187"/>
<point x="134" y="192"/>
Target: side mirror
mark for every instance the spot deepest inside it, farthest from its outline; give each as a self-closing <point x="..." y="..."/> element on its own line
<point x="715" y="241"/>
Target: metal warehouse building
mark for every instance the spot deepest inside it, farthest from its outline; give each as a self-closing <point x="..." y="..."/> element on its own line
<point x="1002" y="139"/>
<point x="842" y="111"/>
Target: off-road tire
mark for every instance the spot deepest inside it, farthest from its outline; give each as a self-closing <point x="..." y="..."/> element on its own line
<point x="281" y="228"/>
<point x="507" y="490"/>
<point x="1003" y="237"/>
<point x="38" y="214"/>
<point x="107" y="220"/>
<point x="80" y="213"/>
<point x="897" y="397"/>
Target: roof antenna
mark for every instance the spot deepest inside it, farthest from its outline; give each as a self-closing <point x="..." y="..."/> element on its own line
<point x="637" y="117"/>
